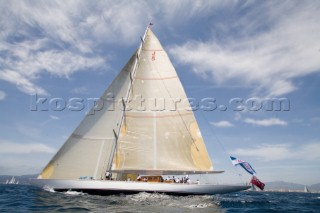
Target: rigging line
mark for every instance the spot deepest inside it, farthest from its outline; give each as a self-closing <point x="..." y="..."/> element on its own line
<point x="193" y="141"/>
<point x="124" y="115"/>
<point x="221" y="145"/>
<point x="135" y="67"/>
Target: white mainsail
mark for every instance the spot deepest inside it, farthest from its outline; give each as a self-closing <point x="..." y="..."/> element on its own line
<point x="306" y="189"/>
<point x="12" y="181"/>
<point x="151" y="139"/>
<point x="160" y="131"/>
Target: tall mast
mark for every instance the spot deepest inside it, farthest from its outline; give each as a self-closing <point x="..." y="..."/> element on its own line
<point x="116" y="132"/>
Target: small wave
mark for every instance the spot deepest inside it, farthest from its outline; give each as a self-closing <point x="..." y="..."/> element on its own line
<point x="70" y="192"/>
<point x="144" y="196"/>
<point x="200" y="206"/>
<point x="48" y="189"/>
<point x="74" y="209"/>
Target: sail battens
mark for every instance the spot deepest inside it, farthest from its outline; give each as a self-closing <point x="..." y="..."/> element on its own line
<point x="158" y="116"/>
<point x="152" y="50"/>
<point x="150" y="79"/>
<point x="133" y="148"/>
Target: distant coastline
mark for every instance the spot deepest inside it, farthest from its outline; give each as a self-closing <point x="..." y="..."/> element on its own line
<point x="282" y="186"/>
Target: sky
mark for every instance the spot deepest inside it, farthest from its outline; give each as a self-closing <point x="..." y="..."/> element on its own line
<point x="252" y="51"/>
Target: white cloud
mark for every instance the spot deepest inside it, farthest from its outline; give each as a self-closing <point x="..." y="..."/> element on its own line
<point x="264" y="47"/>
<point x="237" y="116"/>
<point x="54" y="117"/>
<point x="51" y="118"/>
<point x="80" y="90"/>
<point x="274" y="152"/>
<point x="266" y="122"/>
<point x="222" y="124"/>
<point x="22" y="82"/>
<point x="177" y="12"/>
<point x="29" y="131"/>
<point x="2" y="95"/>
<point x="310" y="151"/>
<point x="50" y="37"/>
<point x="24" y="66"/>
<point x="17" y="148"/>
<point x="315" y="119"/>
<point x="61" y="38"/>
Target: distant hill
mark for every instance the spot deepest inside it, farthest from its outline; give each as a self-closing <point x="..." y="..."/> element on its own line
<point x="315" y="187"/>
<point x="281" y="185"/>
<point x="284" y="185"/>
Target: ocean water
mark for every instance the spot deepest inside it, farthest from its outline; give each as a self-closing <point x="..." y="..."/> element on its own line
<point x="25" y="198"/>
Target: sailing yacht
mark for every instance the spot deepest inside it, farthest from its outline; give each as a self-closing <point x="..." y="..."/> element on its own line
<point x="120" y="136"/>
<point x="12" y="181"/>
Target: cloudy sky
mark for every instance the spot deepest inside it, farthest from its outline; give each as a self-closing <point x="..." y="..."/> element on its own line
<point x="226" y="50"/>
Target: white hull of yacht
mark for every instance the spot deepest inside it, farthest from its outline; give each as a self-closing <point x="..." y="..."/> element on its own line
<point x="105" y="187"/>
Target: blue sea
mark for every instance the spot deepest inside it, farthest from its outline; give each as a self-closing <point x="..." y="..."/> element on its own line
<point x="25" y="198"/>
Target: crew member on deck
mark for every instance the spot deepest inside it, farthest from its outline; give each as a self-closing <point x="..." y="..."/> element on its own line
<point x="186" y="179"/>
<point x="108" y="175"/>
